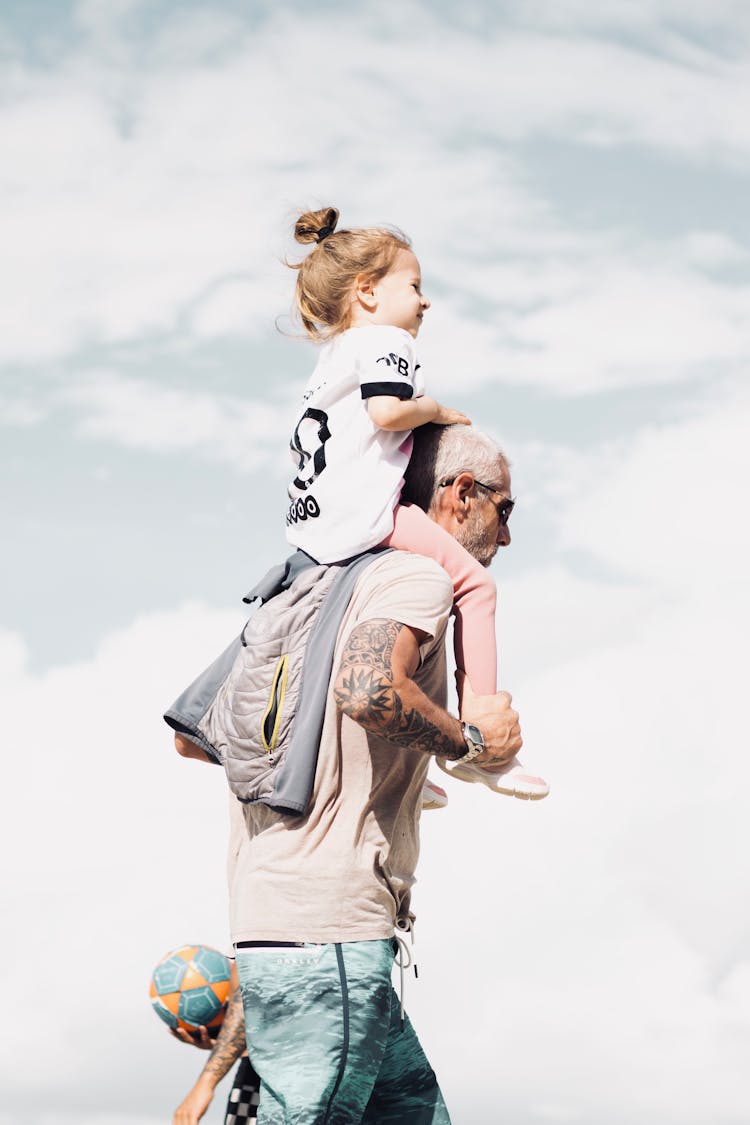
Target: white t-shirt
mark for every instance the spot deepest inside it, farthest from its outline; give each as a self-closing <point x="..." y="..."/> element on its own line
<point x="348" y="471"/>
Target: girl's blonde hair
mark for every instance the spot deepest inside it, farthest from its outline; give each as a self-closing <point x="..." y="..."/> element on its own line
<point x="327" y="276"/>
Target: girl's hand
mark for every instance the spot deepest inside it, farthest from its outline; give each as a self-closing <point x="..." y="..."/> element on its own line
<point x="391" y="413"/>
<point x="447" y="416"/>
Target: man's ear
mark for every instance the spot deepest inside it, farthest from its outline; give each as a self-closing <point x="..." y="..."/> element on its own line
<point x="364" y="292"/>
<point x="452" y="500"/>
<point x="463" y="486"/>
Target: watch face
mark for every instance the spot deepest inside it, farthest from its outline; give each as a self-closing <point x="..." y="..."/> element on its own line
<point x="473" y="738"/>
<point x="473" y="733"/>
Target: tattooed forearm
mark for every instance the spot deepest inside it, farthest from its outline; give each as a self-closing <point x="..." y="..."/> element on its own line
<point x="385" y="701"/>
<point x="230" y="1043"/>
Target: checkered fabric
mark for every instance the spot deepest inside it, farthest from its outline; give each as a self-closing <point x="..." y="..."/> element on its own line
<point x="242" y="1105"/>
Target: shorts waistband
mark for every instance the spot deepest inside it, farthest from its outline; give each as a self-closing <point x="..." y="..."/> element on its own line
<point x="268" y="944"/>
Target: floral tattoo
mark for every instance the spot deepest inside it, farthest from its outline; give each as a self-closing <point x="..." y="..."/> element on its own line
<point x="366" y="692"/>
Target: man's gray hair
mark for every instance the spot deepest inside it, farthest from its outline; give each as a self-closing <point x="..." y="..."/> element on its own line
<point x="444" y="451"/>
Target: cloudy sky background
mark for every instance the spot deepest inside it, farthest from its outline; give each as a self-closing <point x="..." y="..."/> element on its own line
<point x="575" y="182"/>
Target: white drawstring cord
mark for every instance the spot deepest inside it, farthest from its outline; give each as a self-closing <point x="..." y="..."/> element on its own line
<point x="405" y="956"/>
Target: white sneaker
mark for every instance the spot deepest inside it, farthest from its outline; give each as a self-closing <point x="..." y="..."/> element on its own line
<point x="512" y="781"/>
<point x="433" y="797"/>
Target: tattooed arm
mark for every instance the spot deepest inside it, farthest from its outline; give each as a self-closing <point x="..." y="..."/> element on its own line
<point x="374" y="687"/>
<point x="229" y="1046"/>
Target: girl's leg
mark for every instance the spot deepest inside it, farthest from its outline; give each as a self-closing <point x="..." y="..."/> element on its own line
<point x="476" y="650"/>
<point x="473" y="589"/>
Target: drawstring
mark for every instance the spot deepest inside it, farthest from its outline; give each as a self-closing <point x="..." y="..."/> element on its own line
<point x="405" y="956"/>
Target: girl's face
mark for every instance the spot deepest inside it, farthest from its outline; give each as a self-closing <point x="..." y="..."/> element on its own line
<point x="398" y="295"/>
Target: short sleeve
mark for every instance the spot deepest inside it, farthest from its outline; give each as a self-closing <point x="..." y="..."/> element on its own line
<point x="386" y="362"/>
<point x="407" y="588"/>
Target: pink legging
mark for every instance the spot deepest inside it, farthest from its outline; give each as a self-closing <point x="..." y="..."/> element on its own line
<point x="474" y="594"/>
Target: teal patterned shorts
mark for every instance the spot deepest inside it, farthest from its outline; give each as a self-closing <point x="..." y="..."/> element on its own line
<point x="324" y="1033"/>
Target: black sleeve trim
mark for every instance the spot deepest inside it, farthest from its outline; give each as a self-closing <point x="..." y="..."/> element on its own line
<point x="396" y="390"/>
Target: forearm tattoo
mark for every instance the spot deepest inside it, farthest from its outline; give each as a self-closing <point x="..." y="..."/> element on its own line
<point x="230" y="1043"/>
<point x="366" y="692"/>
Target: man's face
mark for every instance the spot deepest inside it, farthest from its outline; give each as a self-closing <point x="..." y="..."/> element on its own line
<point x="482" y="532"/>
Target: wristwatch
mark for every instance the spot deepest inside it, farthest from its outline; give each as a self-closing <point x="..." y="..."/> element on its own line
<point x="474" y="743"/>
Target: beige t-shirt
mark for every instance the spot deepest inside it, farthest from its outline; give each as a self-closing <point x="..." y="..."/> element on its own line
<point x="344" y="871"/>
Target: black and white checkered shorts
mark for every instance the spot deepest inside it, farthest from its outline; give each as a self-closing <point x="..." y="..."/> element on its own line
<point x="242" y="1105"/>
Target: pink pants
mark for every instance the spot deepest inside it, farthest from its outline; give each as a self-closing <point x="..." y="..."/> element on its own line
<point x="474" y="594"/>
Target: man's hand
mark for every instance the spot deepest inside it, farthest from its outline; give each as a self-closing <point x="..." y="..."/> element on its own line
<point x="497" y="721"/>
<point x="204" y="1040"/>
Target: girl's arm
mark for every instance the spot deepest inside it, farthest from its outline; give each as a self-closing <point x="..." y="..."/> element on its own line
<point x="391" y="413"/>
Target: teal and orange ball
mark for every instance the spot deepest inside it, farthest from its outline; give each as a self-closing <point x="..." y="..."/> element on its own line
<point x="190" y="988"/>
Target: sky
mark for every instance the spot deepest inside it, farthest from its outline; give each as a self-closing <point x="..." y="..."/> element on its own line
<point x="575" y="180"/>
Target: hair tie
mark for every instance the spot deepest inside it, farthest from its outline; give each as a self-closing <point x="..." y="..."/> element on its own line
<point x="324" y="232"/>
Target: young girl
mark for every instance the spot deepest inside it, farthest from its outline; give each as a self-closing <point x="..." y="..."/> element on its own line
<point x="360" y="293"/>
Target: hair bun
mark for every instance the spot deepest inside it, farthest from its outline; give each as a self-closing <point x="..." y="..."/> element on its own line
<point x="314" y="226"/>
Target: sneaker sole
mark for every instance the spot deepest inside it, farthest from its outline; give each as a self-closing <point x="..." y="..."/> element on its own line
<point x="433" y="797"/>
<point x="494" y="782"/>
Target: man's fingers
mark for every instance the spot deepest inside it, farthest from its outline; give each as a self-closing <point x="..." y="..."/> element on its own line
<point x="204" y="1040"/>
<point x="496" y="719"/>
<point x="182" y="1035"/>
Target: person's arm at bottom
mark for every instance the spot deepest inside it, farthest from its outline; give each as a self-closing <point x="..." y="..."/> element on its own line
<point x="229" y="1046"/>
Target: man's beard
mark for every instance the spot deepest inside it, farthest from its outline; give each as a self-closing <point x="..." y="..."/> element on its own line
<point x="474" y="535"/>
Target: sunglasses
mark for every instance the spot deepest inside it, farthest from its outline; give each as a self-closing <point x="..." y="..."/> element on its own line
<point x="504" y="508"/>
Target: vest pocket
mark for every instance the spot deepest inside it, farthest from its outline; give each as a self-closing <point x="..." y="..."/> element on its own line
<point x="272" y="715"/>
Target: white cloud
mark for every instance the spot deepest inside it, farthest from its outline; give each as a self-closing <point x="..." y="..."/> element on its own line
<point x="103" y="16"/>
<point x="131" y="412"/>
<point x="605" y="94"/>
<point x="583" y="947"/>
<point x="550" y="616"/>
<point x="145" y="191"/>
<point x="712" y="250"/>
<point x="602" y="316"/>
<point x="20" y="412"/>
<point x="119" y="836"/>
<point x="629" y="326"/>
<point x="668" y="508"/>
<point x="236" y="306"/>
<point x="727" y="17"/>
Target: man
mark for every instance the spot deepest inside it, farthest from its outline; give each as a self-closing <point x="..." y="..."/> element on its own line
<point x="314" y="900"/>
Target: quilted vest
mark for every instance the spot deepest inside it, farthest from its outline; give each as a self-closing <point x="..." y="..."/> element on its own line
<point x="258" y="709"/>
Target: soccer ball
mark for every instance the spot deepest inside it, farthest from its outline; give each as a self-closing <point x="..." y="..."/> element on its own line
<point x="190" y="988"/>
